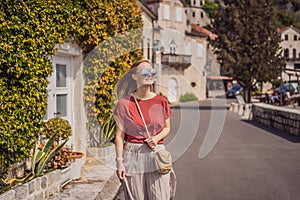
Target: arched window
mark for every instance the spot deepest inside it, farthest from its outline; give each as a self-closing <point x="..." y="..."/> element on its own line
<point x="294" y="53"/>
<point x="286" y="53"/>
<point x="172" y="47"/>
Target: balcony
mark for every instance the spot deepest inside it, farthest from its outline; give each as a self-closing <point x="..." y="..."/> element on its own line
<point x="291" y="59"/>
<point x="175" y="60"/>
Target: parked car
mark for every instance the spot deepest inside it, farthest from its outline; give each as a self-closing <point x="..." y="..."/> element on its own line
<point x="286" y="87"/>
<point x="236" y="89"/>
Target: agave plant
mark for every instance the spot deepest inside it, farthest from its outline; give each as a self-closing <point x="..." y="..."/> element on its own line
<point x="42" y="157"/>
<point x="108" y="130"/>
<point x="105" y="134"/>
<point x="39" y="161"/>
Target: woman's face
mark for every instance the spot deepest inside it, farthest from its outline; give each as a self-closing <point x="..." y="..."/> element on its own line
<point x="145" y="74"/>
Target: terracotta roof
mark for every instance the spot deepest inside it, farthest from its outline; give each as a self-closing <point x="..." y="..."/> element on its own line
<point x="283" y="29"/>
<point x="201" y="30"/>
<point x="280" y="30"/>
<point x="219" y="78"/>
<point x="155" y="1"/>
<point x="148" y="10"/>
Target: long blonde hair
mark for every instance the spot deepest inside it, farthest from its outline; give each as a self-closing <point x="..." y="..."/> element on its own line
<point x="127" y="85"/>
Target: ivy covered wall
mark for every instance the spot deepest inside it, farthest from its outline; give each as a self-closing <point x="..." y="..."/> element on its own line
<point x="29" y="31"/>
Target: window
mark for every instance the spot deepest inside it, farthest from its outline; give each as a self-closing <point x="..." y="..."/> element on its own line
<point x="194" y="14"/>
<point x="194" y="2"/>
<point x="179" y="14"/>
<point x="286" y="37"/>
<point x="201" y="3"/>
<point x="295" y="37"/>
<point x="200" y="50"/>
<point x="172" y="47"/>
<point x="61" y="75"/>
<point x="61" y="105"/>
<point x="188" y="50"/>
<point x="297" y="66"/>
<point x="201" y="14"/>
<point x="166" y="12"/>
<point x="294" y="53"/>
<point x="286" y="53"/>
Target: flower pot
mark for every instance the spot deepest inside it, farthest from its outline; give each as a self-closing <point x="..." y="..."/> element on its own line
<point x="105" y="154"/>
<point x="76" y="164"/>
<point x="66" y="176"/>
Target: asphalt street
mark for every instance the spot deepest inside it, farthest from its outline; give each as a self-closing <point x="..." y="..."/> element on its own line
<point x="218" y="156"/>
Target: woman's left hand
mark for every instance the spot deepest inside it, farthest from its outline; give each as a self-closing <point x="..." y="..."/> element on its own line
<point x="152" y="142"/>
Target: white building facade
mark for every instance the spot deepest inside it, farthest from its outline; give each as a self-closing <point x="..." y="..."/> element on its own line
<point x="179" y="56"/>
<point x="291" y="51"/>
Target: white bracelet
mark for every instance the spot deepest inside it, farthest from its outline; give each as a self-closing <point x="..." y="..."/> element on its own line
<point x="119" y="158"/>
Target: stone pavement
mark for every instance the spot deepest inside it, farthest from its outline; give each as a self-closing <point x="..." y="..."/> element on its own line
<point x="97" y="182"/>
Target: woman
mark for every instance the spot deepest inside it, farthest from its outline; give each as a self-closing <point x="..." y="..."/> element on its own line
<point x="135" y="165"/>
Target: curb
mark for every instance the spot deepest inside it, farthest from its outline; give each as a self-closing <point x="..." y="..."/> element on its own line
<point x="110" y="189"/>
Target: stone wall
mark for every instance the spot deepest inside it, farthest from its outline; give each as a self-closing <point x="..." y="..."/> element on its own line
<point x="39" y="188"/>
<point x="281" y="118"/>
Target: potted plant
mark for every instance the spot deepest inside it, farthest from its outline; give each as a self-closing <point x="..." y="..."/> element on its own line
<point x="103" y="149"/>
<point x="65" y="158"/>
<point x="59" y="126"/>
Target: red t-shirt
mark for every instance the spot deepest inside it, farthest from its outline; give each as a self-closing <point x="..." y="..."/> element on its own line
<point x="155" y="111"/>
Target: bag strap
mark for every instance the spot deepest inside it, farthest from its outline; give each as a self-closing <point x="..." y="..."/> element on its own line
<point x="141" y="114"/>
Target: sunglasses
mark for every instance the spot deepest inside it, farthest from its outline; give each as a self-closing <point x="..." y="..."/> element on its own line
<point x="145" y="72"/>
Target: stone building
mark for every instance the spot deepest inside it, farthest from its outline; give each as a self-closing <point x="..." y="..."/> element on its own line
<point x="180" y="51"/>
<point x="291" y="51"/>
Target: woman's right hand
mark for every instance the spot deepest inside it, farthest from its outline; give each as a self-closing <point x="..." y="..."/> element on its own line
<point x="120" y="170"/>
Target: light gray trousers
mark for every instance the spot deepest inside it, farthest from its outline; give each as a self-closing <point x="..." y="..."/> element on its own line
<point x="142" y="181"/>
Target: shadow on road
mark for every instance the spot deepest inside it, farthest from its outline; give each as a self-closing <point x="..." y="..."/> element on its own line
<point x="279" y="133"/>
<point x="186" y="107"/>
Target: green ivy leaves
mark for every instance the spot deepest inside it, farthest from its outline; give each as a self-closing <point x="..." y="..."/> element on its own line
<point x="29" y="31"/>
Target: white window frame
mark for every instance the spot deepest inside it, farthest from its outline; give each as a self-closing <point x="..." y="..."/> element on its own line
<point x="54" y="91"/>
<point x="178" y="14"/>
<point x="166" y="10"/>
<point x="172" y="47"/>
<point x="188" y="48"/>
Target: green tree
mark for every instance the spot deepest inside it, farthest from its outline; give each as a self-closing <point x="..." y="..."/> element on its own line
<point x="287" y="13"/>
<point x="210" y="7"/>
<point x="248" y="43"/>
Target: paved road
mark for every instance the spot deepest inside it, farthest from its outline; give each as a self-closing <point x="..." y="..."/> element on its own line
<point x="249" y="162"/>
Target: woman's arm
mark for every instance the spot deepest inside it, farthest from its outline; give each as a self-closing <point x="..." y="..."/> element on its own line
<point x="119" y="142"/>
<point x="152" y="142"/>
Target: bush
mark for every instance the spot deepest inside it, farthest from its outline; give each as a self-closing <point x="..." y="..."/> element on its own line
<point x="58" y="126"/>
<point x="188" y="97"/>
